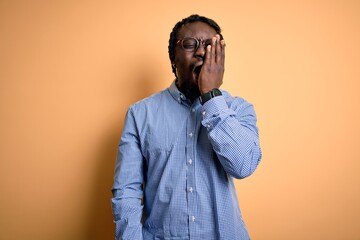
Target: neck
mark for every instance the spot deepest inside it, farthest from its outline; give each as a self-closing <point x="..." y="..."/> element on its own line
<point x="190" y="92"/>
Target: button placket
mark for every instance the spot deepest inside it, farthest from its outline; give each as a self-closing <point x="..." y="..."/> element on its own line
<point x="190" y="161"/>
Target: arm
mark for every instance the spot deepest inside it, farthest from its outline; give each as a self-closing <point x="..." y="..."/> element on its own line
<point x="127" y="189"/>
<point x="233" y="134"/>
<point x="232" y="130"/>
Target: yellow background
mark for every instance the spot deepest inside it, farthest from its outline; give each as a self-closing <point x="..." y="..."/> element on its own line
<point x="69" y="70"/>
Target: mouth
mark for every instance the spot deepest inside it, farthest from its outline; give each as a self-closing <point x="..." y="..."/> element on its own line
<point x="197" y="70"/>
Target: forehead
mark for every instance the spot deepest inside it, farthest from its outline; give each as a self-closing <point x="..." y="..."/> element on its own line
<point x="197" y="30"/>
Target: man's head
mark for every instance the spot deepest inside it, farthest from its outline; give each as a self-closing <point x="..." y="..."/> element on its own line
<point x="187" y="46"/>
<point x="174" y="34"/>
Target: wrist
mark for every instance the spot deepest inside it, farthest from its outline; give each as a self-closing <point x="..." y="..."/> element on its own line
<point x="209" y="95"/>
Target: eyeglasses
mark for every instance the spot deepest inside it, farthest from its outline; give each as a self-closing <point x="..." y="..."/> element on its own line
<point x="192" y="44"/>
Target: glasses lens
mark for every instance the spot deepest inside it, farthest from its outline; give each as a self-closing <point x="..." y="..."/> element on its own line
<point x="189" y="44"/>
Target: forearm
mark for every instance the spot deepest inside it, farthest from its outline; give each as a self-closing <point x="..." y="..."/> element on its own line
<point x="233" y="135"/>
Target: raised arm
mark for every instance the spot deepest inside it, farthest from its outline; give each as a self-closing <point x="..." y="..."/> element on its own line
<point x="233" y="134"/>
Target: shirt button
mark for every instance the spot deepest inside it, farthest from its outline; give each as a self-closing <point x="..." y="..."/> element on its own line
<point x="193" y="218"/>
<point x="190" y="134"/>
<point x="190" y="161"/>
<point x="190" y="189"/>
<point x="203" y="113"/>
<point x="193" y="109"/>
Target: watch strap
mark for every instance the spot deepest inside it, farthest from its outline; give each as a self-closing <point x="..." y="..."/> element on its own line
<point x="209" y="95"/>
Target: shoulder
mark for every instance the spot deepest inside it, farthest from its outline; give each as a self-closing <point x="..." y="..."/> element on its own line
<point x="149" y="102"/>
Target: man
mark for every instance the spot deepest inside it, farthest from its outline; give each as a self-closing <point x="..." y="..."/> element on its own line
<point x="181" y="148"/>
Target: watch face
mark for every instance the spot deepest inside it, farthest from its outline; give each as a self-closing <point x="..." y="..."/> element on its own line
<point x="216" y="92"/>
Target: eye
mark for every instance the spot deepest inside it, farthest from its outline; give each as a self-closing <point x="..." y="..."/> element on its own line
<point x="189" y="43"/>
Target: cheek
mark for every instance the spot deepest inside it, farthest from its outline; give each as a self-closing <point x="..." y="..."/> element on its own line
<point x="182" y="67"/>
<point x="182" y="71"/>
<point x="182" y="59"/>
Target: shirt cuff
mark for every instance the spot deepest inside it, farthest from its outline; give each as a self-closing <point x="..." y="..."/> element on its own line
<point x="213" y="107"/>
<point x="215" y="111"/>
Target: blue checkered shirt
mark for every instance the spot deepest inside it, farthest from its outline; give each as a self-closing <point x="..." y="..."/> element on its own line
<point x="175" y="167"/>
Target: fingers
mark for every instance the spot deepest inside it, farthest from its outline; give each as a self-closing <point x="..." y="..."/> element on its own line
<point x="222" y="60"/>
<point x="211" y="74"/>
<point x="218" y="53"/>
<point x="213" y="49"/>
<point x="215" y="52"/>
<point x="208" y="54"/>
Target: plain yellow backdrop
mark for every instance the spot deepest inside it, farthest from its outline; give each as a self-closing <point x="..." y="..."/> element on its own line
<point x="69" y="70"/>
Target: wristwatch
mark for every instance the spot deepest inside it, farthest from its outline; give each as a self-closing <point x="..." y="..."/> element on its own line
<point x="209" y="95"/>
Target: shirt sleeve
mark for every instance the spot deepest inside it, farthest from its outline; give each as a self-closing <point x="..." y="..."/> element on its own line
<point x="233" y="134"/>
<point x="127" y="190"/>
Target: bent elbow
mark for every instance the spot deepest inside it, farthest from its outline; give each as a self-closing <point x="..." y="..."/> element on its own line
<point x="250" y="163"/>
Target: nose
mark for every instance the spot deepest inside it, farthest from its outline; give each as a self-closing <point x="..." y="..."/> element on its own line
<point x="200" y="51"/>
